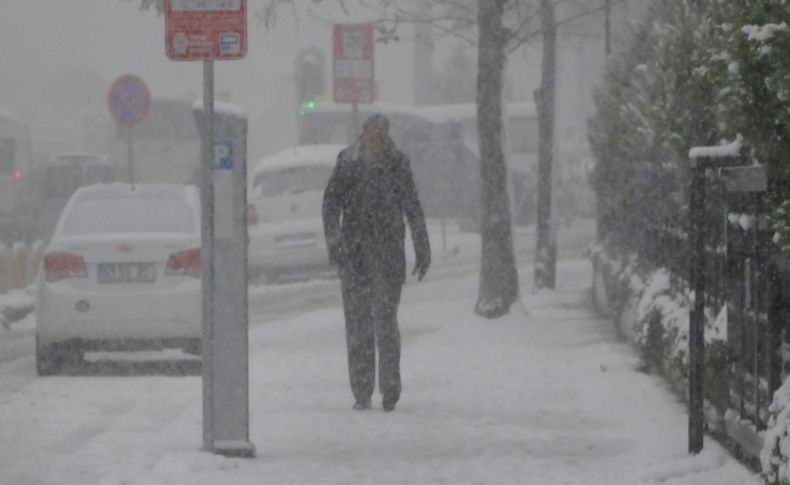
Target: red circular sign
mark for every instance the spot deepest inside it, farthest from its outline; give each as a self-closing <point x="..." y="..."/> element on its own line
<point x="129" y="100"/>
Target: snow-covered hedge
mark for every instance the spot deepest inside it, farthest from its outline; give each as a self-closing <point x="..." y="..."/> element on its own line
<point x="775" y="457"/>
<point x="661" y="326"/>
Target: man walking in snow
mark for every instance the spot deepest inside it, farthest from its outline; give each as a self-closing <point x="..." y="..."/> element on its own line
<point x="368" y="194"/>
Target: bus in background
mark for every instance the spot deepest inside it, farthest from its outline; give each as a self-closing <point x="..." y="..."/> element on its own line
<point x="16" y="162"/>
<point x="445" y="168"/>
<point x="442" y="142"/>
<point x="166" y="144"/>
<point x="523" y="140"/>
<point x="521" y="147"/>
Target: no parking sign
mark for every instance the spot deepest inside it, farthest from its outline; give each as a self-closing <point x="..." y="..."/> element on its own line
<point x="129" y="100"/>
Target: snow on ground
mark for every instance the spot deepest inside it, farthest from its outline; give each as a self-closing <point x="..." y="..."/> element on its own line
<point x="14" y="306"/>
<point x="547" y="395"/>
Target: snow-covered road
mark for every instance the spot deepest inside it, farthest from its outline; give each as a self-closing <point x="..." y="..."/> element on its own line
<point x="547" y="395"/>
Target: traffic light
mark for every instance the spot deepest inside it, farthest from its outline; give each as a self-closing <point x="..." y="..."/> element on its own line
<point x="310" y="77"/>
<point x="307" y="105"/>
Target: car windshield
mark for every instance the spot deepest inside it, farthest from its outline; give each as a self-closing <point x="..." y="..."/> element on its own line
<point x="124" y="215"/>
<point x="291" y="180"/>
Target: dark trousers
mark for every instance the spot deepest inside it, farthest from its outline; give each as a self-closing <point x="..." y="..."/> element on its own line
<point x="370" y="303"/>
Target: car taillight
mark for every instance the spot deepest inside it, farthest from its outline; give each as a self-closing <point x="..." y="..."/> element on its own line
<point x="252" y="215"/>
<point x="18" y="174"/>
<point x="187" y="263"/>
<point x="59" y="266"/>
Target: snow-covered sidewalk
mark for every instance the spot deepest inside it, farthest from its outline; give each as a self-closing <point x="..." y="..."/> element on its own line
<point x="547" y="395"/>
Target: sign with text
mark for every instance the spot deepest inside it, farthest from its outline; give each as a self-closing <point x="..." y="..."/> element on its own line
<point x="199" y="30"/>
<point x="354" y="73"/>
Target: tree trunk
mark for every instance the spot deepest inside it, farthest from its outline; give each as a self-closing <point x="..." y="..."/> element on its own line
<point x="498" y="273"/>
<point x="546" y="250"/>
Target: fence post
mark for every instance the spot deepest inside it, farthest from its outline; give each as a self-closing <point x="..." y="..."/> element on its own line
<point x="697" y="316"/>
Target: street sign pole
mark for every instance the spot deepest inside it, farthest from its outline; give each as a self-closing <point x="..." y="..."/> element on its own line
<point x="130" y="155"/>
<point x="129" y="101"/>
<point x="210" y="30"/>
<point x="207" y="254"/>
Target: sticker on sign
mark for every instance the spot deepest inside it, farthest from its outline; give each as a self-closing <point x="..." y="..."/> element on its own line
<point x="206" y="5"/>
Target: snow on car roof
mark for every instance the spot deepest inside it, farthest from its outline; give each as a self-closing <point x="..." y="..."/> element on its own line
<point x="299" y="156"/>
<point x="118" y="190"/>
<point x="158" y="202"/>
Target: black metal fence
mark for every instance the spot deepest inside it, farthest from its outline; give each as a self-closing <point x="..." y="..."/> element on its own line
<point x="743" y="270"/>
<point x="755" y="299"/>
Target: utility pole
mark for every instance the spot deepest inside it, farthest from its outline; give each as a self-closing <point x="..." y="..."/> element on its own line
<point x="423" y="54"/>
<point x="546" y="253"/>
<point x="607" y="26"/>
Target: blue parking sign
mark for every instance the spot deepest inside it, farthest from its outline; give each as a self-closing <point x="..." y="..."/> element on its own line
<point x="223" y="155"/>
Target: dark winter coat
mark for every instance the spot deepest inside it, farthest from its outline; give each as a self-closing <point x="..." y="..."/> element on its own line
<point x="363" y="210"/>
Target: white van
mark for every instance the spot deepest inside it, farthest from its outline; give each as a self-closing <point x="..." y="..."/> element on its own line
<point x="285" y="196"/>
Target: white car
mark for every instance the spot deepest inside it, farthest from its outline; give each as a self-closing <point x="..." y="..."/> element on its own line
<point x="122" y="272"/>
<point x="285" y="195"/>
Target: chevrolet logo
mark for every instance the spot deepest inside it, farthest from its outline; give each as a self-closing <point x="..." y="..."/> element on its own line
<point x="125" y="248"/>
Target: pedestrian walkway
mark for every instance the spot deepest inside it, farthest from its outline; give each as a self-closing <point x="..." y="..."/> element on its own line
<point x="547" y="395"/>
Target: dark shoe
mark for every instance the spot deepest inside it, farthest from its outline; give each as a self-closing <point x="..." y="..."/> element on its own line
<point x="388" y="403"/>
<point x="361" y="406"/>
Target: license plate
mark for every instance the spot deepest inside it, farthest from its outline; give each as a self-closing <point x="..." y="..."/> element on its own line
<point x="127" y="273"/>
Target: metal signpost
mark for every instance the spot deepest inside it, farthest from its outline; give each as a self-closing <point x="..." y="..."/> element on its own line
<point x="353" y="67"/>
<point x="696" y="404"/>
<point x="211" y="30"/>
<point x="703" y="161"/>
<point x="129" y="101"/>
